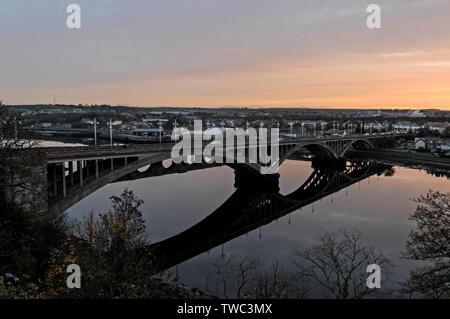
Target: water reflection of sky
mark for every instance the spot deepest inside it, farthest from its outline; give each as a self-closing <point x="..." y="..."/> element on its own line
<point x="379" y="208"/>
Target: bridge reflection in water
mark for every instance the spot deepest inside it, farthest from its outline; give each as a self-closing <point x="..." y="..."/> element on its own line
<point x="256" y="202"/>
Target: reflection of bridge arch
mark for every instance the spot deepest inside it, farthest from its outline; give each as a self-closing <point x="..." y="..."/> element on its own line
<point x="249" y="208"/>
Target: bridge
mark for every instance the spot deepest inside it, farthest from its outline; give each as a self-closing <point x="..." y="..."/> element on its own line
<point x="75" y="172"/>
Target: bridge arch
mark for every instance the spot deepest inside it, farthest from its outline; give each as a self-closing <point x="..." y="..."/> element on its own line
<point x="361" y="144"/>
<point x="319" y="150"/>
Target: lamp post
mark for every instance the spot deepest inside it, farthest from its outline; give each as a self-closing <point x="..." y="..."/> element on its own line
<point x="95" y="132"/>
<point x="110" y="133"/>
<point x="160" y="125"/>
<point x="175" y="129"/>
<point x="16" y="134"/>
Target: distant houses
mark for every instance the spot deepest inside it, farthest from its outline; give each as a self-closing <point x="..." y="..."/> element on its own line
<point x="432" y="144"/>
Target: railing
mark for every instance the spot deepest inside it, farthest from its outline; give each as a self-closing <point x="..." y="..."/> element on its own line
<point x="133" y="148"/>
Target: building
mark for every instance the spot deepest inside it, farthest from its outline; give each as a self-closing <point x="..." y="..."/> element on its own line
<point x="431" y="144"/>
<point x="419" y="143"/>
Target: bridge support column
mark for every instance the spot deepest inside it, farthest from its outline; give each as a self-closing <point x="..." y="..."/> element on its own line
<point x="96" y="169"/>
<point x="126" y="161"/>
<point x="80" y="171"/>
<point x="63" y="178"/>
<point x="55" y="186"/>
<point x="112" y="164"/>
<point x="71" y="172"/>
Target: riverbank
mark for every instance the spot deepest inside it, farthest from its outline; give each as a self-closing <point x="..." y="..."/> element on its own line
<point x="406" y="158"/>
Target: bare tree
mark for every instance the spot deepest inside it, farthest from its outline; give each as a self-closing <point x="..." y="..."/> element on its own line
<point x="28" y="232"/>
<point x="430" y="243"/>
<point x="338" y="264"/>
<point x="224" y="270"/>
<point x="246" y="278"/>
<point x="274" y="283"/>
<point x="246" y="268"/>
<point x="21" y="164"/>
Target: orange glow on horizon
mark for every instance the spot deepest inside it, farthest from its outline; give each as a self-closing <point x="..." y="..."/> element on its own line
<point x="394" y="81"/>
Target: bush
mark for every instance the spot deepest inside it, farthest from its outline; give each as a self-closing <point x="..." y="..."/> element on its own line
<point x="112" y="252"/>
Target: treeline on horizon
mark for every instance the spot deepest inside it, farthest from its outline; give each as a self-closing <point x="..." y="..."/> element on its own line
<point x="215" y="108"/>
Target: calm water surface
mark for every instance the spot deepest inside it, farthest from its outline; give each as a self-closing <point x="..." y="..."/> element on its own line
<point x="378" y="207"/>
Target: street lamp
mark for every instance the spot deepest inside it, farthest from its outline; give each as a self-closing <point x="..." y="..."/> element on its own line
<point x="160" y="126"/>
<point x="95" y="132"/>
<point x="175" y="129"/>
<point x="110" y="132"/>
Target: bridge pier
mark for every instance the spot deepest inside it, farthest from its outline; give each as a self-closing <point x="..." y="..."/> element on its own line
<point x="71" y="173"/>
<point x="63" y="178"/>
<point x="80" y="171"/>
<point x="55" y="186"/>
<point x="96" y="169"/>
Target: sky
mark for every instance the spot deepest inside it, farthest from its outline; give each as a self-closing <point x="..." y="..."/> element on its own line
<point x="254" y="53"/>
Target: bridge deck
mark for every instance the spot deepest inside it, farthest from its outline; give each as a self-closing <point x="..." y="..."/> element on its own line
<point x="57" y="154"/>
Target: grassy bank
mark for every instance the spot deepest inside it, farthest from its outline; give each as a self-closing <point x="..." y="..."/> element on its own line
<point x="411" y="155"/>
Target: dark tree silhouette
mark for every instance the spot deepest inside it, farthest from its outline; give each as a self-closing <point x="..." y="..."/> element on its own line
<point x="430" y="243"/>
<point x="27" y="230"/>
<point x="338" y="263"/>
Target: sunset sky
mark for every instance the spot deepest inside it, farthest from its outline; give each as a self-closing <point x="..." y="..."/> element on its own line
<point x="227" y="52"/>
